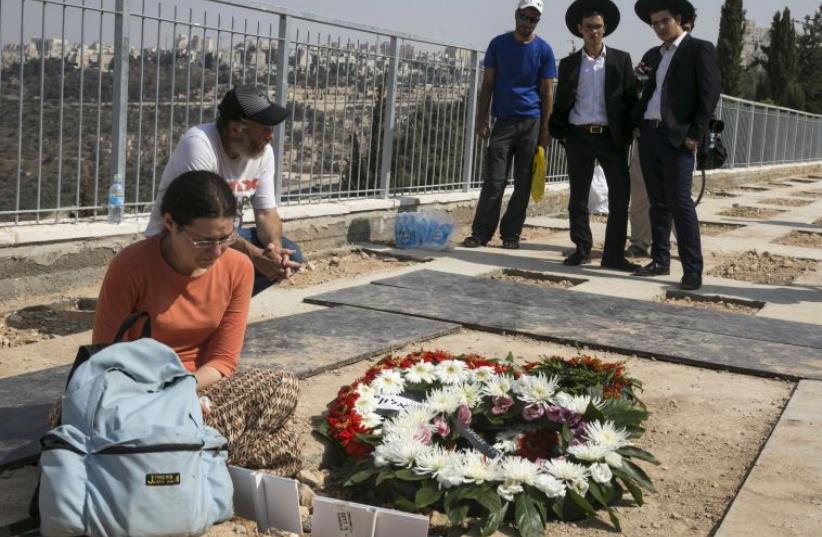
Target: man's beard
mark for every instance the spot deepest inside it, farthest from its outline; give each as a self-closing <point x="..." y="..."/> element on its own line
<point x="248" y="149"/>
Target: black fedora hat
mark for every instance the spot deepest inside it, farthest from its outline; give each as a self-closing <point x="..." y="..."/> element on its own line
<point x="608" y="9"/>
<point x="643" y="8"/>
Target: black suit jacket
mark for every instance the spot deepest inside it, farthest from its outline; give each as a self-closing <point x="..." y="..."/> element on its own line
<point x="620" y="94"/>
<point x="690" y="91"/>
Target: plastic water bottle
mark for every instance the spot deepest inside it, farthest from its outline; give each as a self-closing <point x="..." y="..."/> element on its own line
<point x="116" y="195"/>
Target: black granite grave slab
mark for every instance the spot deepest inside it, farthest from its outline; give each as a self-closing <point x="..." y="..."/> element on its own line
<point x="570" y="324"/>
<point x="640" y="311"/>
<point x="306" y="344"/>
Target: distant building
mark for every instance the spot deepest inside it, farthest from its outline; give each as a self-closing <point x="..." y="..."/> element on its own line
<point x="459" y="55"/>
<point x="753" y="39"/>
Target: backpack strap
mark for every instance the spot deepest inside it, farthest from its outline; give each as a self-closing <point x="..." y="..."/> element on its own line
<point x="130" y="321"/>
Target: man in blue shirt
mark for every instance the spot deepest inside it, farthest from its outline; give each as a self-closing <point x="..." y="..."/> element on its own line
<point x="519" y="72"/>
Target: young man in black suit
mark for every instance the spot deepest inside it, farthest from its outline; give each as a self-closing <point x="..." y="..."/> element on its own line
<point x="677" y="103"/>
<point x="595" y="96"/>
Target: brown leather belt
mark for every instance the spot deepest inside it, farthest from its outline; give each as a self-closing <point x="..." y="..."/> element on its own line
<point x="593" y="129"/>
<point x="655" y="123"/>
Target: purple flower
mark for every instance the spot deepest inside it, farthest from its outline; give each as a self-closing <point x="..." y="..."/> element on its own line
<point x="501" y="405"/>
<point x="558" y="414"/>
<point x="441" y="427"/>
<point x="464" y="414"/>
<point x="533" y="411"/>
<point x="423" y="435"/>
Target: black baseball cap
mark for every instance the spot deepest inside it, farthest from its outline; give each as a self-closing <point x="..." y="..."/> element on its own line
<point x="251" y="102"/>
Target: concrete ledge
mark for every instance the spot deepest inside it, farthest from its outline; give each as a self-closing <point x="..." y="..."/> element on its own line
<point x="783" y="493"/>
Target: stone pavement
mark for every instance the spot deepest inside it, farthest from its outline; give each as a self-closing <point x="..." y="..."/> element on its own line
<point x="791" y="457"/>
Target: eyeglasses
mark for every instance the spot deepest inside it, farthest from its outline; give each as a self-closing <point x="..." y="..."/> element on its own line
<point x="661" y="23"/>
<point x="206" y="244"/>
<point x="526" y="19"/>
<point x="593" y="27"/>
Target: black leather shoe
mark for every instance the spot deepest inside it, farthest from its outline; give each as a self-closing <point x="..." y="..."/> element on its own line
<point x="653" y="269"/>
<point x="620" y="264"/>
<point x="473" y="242"/>
<point x="576" y="258"/>
<point x="691" y="282"/>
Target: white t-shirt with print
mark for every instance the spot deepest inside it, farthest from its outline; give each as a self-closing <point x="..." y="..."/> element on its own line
<point x="200" y="149"/>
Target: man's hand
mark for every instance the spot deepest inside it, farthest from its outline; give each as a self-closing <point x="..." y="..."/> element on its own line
<point x="268" y="265"/>
<point x="275" y="252"/>
<point x="692" y="145"/>
<point x="544" y="141"/>
<point x="483" y="127"/>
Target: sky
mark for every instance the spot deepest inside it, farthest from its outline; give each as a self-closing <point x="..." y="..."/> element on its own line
<point x="475" y="22"/>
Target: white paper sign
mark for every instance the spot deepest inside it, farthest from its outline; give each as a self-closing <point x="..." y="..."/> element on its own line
<point x="395" y="402"/>
<point x="337" y="518"/>
<point x="391" y="523"/>
<point x="270" y="501"/>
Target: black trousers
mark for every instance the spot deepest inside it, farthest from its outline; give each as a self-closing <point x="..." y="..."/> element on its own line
<point x="582" y="148"/>
<point x="511" y="138"/>
<point x="669" y="173"/>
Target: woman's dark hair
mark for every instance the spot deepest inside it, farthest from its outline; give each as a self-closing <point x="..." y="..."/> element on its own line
<point x="198" y="194"/>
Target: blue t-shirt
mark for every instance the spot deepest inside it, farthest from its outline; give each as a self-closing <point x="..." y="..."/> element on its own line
<point x="519" y="69"/>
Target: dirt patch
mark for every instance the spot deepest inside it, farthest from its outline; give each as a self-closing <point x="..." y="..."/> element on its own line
<point x="742" y="211"/>
<point x="752" y="188"/>
<point x="817" y="222"/>
<point x="535" y="278"/>
<point x="46" y="321"/>
<point x="712" y="302"/>
<point x="808" y="194"/>
<point x="719" y="194"/>
<point x="805" y="181"/>
<point x="786" y="202"/>
<point x="764" y="267"/>
<point x="346" y="264"/>
<point x="805" y="239"/>
<point x="712" y="229"/>
<point x="599" y="218"/>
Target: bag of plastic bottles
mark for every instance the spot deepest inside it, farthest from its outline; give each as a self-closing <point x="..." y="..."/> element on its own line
<point x="426" y="230"/>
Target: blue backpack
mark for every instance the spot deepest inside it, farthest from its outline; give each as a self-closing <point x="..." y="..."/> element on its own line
<point x="132" y="455"/>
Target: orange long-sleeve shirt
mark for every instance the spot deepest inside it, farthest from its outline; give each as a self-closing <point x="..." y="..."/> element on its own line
<point x="202" y="318"/>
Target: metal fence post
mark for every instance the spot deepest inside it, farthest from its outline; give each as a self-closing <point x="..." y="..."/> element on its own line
<point x="470" y="124"/>
<point x="281" y="86"/>
<point x="119" y="112"/>
<point x="751" y="133"/>
<point x="736" y="136"/>
<point x="390" y="119"/>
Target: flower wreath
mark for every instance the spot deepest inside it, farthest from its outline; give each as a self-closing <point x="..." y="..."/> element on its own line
<point x="472" y="436"/>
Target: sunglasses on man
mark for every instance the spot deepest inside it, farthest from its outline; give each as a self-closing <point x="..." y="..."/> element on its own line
<point x="526" y="19"/>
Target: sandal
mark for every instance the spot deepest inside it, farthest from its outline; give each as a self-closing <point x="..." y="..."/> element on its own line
<point x="510" y="244"/>
<point x="473" y="242"/>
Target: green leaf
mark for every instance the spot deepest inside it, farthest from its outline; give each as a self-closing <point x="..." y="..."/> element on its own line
<point x="581" y="502"/>
<point x="457" y="514"/>
<point x="592" y="413"/>
<point x="599" y="495"/>
<point x="385" y="474"/>
<point x="637" y="453"/>
<point x="566" y="434"/>
<point x="632" y="487"/>
<point x="408" y="475"/>
<point x="527" y="517"/>
<point x="492" y="521"/>
<point x="638" y="474"/>
<point x="556" y="507"/>
<point x="426" y="495"/>
<point x="485" y="496"/>
<point x="360" y="476"/>
<point x="404" y="504"/>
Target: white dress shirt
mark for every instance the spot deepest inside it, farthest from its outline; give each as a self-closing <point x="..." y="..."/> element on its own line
<point x="654" y="109"/>
<point x="589" y="106"/>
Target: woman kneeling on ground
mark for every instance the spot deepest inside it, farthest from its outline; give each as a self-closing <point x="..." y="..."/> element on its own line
<point x="197" y="292"/>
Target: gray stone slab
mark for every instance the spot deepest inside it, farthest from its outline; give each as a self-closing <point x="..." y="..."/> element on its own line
<point x="641" y="311"/>
<point x="602" y="330"/>
<point x="306" y="344"/>
<point x="310" y="343"/>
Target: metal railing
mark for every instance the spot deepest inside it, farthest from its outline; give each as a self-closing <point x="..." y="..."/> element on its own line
<point x="90" y="88"/>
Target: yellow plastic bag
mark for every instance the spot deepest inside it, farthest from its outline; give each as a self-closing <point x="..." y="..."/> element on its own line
<point x="538" y="175"/>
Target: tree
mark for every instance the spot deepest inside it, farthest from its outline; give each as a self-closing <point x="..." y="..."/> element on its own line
<point x="810" y="58"/>
<point x="729" y="46"/>
<point x="782" y="62"/>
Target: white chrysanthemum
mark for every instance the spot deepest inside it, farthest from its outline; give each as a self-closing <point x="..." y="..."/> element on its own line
<point x="508" y="490"/>
<point x="614" y="459"/>
<point x="498" y="386"/>
<point x="607" y="434"/>
<point x="365" y="390"/>
<point x="482" y="374"/>
<point x="535" y="388"/>
<point x="451" y="475"/>
<point x="365" y="405"/>
<point x="388" y="382"/>
<point x="601" y="473"/>
<point x="506" y="446"/>
<point x="432" y="460"/>
<point x="408" y="421"/>
<point x="371" y="421"/>
<point x="420" y="372"/>
<point x="477" y="468"/>
<point x="470" y="394"/>
<point x="399" y="451"/>
<point x="565" y="470"/>
<point x="444" y="400"/>
<point x="550" y="486"/>
<point x="580" y="486"/>
<point x="576" y="403"/>
<point x="451" y="371"/>
<point x="520" y="470"/>
<point x="589" y="451"/>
